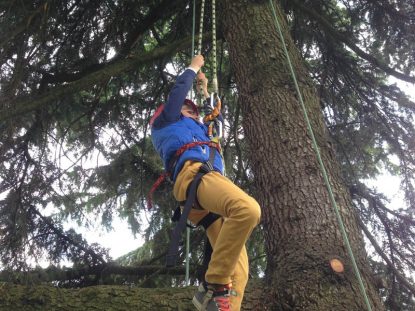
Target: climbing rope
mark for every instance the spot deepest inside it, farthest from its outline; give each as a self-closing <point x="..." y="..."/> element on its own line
<point x="187" y="273"/>
<point x="214" y="95"/>
<point x="214" y="46"/>
<point x="199" y="44"/>
<point x="320" y="161"/>
<point x="214" y="83"/>
<point x="202" y="14"/>
<point x="214" y="62"/>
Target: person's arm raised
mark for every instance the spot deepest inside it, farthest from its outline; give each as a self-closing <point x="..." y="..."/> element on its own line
<point x="180" y="89"/>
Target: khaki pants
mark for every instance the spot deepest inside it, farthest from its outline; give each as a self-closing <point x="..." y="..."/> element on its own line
<point x="240" y="212"/>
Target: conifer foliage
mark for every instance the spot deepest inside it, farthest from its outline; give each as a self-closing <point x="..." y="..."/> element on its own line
<point x="80" y="79"/>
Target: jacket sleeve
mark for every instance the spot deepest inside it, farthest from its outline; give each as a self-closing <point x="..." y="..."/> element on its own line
<point x="172" y="109"/>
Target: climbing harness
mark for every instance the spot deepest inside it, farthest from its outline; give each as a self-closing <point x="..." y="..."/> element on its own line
<point x="320" y="161"/>
<point x="183" y="214"/>
<point x="171" y="166"/>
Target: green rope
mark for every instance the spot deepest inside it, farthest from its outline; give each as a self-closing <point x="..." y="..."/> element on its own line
<point x="199" y="45"/>
<point x="187" y="276"/>
<point x="320" y="161"/>
<point x="193" y="26"/>
<point x="202" y="14"/>
<point x="214" y="82"/>
<point x="214" y="62"/>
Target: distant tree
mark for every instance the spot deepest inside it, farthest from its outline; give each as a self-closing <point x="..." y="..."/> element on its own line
<point x="80" y="79"/>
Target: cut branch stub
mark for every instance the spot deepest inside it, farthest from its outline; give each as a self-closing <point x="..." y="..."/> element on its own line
<point x="336" y="265"/>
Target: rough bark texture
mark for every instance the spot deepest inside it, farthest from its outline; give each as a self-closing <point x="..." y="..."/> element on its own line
<point x="302" y="233"/>
<point x="105" y="298"/>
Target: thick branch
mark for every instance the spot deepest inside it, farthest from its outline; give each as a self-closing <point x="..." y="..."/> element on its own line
<point x="163" y="10"/>
<point x="41" y="297"/>
<point x="52" y="273"/>
<point x="338" y="36"/>
<point x="24" y="24"/>
<point x="29" y="104"/>
<point x="59" y="233"/>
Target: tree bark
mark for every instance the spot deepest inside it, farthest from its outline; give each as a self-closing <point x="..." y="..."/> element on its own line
<point x="54" y="274"/>
<point x="106" y="298"/>
<point x="301" y="230"/>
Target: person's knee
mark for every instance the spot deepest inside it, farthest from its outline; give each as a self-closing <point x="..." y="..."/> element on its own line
<point x="255" y="212"/>
<point x="248" y="210"/>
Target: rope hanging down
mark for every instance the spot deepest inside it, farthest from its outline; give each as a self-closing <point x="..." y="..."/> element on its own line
<point x="215" y="86"/>
<point x="187" y="258"/>
<point x="214" y="95"/>
<point x="202" y="14"/>
<point x="214" y="64"/>
<point x="320" y="161"/>
<point x="214" y="48"/>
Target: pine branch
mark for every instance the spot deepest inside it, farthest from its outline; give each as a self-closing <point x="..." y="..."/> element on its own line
<point x="53" y="273"/>
<point x="340" y="37"/>
<point x="163" y="10"/>
<point x="363" y="191"/>
<point x="30" y="104"/>
<point x="61" y="234"/>
<point x="24" y="24"/>
<point x="380" y="252"/>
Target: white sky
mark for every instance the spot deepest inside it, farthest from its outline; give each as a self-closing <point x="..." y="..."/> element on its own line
<point x="120" y="241"/>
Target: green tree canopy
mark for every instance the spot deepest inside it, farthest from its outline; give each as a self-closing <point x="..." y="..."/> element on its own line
<point x="80" y="79"/>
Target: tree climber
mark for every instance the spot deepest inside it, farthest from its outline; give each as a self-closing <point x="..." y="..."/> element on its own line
<point x="176" y="125"/>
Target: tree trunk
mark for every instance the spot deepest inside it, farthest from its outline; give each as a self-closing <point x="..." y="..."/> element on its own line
<point x="301" y="230"/>
<point x="106" y="298"/>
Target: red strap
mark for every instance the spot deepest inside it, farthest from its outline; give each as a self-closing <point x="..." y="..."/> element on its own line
<point x="158" y="182"/>
<point x="183" y="148"/>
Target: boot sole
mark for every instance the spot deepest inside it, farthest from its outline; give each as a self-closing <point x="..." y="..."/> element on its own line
<point x="197" y="304"/>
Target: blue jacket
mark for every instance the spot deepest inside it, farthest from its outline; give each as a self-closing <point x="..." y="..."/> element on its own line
<point x="171" y="129"/>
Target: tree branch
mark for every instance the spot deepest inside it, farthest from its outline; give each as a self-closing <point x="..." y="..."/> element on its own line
<point x="378" y="249"/>
<point x="29" y="104"/>
<point x="338" y="36"/>
<point x="53" y="273"/>
<point x="59" y="232"/>
<point x="163" y="10"/>
<point x="24" y="24"/>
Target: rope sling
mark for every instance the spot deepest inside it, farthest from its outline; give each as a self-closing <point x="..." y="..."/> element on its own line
<point x="320" y="161"/>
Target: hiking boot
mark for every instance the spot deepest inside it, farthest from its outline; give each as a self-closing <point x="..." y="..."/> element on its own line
<point x="212" y="297"/>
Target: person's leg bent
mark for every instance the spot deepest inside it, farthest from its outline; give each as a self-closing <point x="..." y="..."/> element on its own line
<point x="219" y="195"/>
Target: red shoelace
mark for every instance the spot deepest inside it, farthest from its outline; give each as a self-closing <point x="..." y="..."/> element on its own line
<point x="223" y="303"/>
